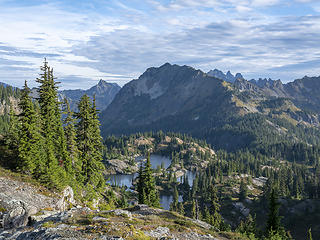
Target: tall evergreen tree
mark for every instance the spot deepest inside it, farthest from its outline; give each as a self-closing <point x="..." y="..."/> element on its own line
<point x="90" y="144"/>
<point x="54" y="174"/>
<point x="175" y="202"/>
<point x="141" y="193"/>
<point x="216" y="219"/>
<point x="70" y="133"/>
<point x="147" y="192"/>
<point x="30" y="140"/>
<point x="243" y="190"/>
<point x="274" y="227"/>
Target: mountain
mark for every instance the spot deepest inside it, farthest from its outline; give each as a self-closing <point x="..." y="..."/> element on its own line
<point x="228" y="115"/>
<point x="104" y="92"/>
<point x="228" y="77"/>
<point x="170" y="97"/>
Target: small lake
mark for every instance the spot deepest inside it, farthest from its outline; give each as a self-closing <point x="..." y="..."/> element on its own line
<point x="166" y="200"/>
<point x="122" y="179"/>
<point x="155" y="160"/>
<point x="191" y="175"/>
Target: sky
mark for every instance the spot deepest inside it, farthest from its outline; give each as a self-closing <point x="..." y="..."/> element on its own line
<point x="116" y="41"/>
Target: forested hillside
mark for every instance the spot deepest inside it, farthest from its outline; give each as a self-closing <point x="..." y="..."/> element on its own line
<point x="229" y="116"/>
<point x="8" y="99"/>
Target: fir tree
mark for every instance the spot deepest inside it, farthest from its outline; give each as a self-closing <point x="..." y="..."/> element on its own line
<point x="70" y="133"/>
<point x="175" y="202"/>
<point x="54" y="174"/>
<point x="274" y="227"/>
<point x="243" y="191"/>
<point x="140" y="190"/>
<point x="90" y="144"/>
<point x="147" y="192"/>
<point x="215" y="219"/>
<point x="273" y="222"/>
<point x="30" y="140"/>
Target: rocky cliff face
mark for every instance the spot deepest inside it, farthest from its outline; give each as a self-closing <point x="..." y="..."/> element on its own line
<point x="19" y="201"/>
<point x="165" y="95"/>
<point x="183" y="99"/>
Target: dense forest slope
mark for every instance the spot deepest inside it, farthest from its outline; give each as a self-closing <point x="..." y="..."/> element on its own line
<point x="228" y="115"/>
<point x="9" y="97"/>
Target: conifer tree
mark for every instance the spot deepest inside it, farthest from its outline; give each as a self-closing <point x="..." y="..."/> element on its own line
<point x="243" y="190"/>
<point x="30" y="140"/>
<point x="194" y="209"/>
<point x="70" y="133"/>
<point x="273" y="222"/>
<point x="90" y="144"/>
<point x="147" y="192"/>
<point x="175" y="202"/>
<point x="53" y="174"/>
<point x="13" y="134"/>
<point x="216" y="219"/>
<point x="140" y="190"/>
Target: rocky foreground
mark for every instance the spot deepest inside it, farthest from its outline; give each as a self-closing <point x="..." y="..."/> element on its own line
<point x="29" y="212"/>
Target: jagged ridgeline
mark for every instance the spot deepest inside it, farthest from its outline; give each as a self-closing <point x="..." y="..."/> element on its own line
<point x="232" y="114"/>
<point x="53" y="151"/>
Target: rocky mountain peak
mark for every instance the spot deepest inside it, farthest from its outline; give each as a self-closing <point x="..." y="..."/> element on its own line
<point x="239" y="75"/>
<point x="228" y="77"/>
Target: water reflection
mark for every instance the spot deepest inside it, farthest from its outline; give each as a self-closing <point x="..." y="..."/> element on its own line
<point x="122" y="179"/>
<point x="155" y="160"/>
<point x="190" y="176"/>
<point x="166" y="200"/>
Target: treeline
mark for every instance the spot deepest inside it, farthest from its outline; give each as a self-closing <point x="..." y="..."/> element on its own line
<point x="6" y="92"/>
<point x="57" y="152"/>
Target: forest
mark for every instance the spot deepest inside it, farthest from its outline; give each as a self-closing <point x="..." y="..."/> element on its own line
<point x="56" y="147"/>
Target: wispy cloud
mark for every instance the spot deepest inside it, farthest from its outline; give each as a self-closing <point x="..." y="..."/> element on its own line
<point x="118" y="40"/>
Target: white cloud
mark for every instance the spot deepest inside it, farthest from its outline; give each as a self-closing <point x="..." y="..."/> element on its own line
<point x="122" y="43"/>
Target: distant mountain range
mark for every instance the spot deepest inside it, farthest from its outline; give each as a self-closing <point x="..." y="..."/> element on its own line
<point x="227" y="110"/>
<point x="228" y="77"/>
<point x="103" y="91"/>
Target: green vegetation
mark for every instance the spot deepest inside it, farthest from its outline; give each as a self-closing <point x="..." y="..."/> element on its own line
<point x="53" y="151"/>
<point x="8" y="95"/>
<point x="147" y="192"/>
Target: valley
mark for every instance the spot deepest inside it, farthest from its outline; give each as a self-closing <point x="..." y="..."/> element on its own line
<point x="218" y="148"/>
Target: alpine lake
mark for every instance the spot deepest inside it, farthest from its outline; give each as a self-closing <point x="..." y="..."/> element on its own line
<point x="156" y="161"/>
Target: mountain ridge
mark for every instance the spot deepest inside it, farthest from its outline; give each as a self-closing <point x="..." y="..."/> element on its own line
<point x="183" y="99"/>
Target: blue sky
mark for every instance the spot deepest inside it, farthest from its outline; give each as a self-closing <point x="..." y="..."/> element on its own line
<point x="85" y="41"/>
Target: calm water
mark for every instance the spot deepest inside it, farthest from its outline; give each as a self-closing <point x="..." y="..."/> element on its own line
<point x="190" y="176"/>
<point x="122" y="179"/>
<point x="155" y="160"/>
<point x="166" y="200"/>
